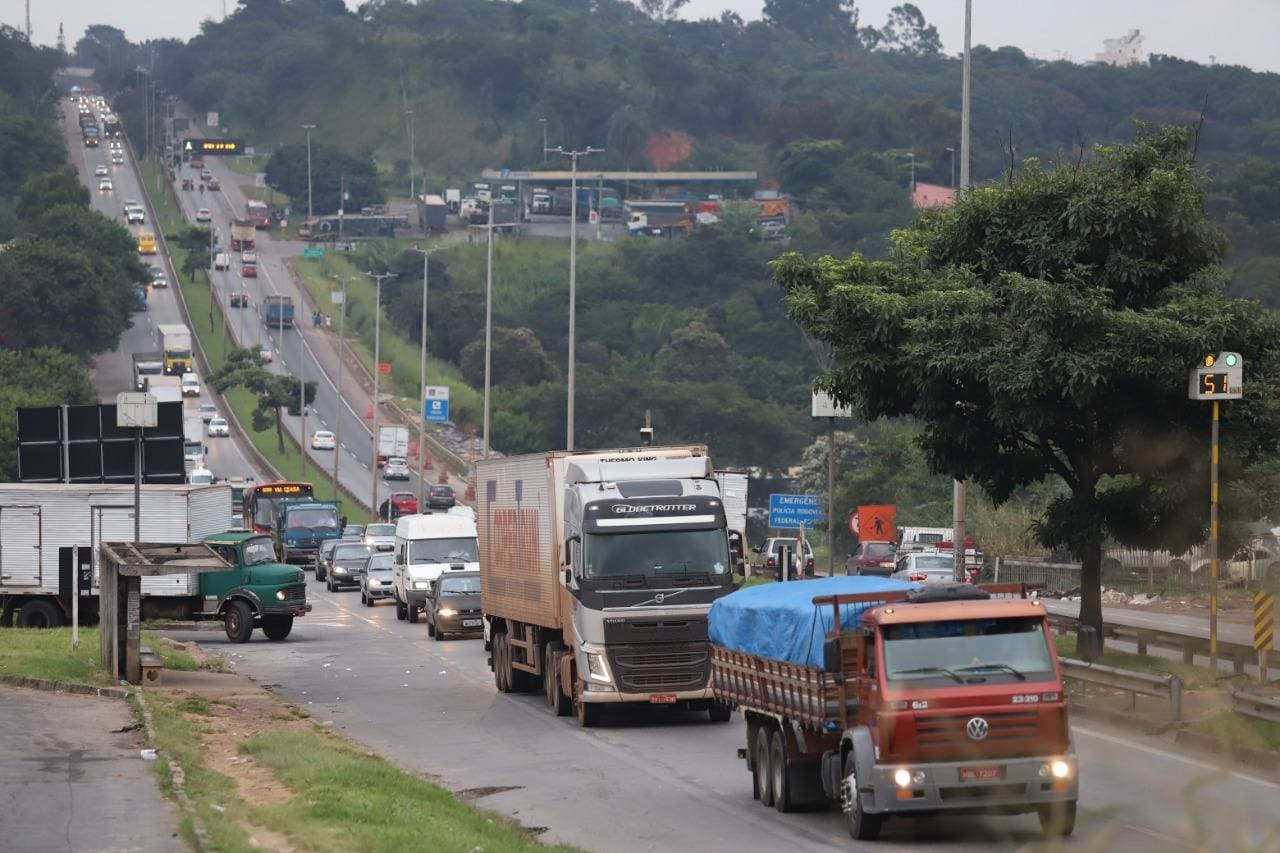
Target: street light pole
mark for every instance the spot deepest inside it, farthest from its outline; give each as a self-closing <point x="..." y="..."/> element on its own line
<point x="377" y="372"/>
<point x="488" y="331"/>
<point x="958" y="494"/>
<point x="573" y="271"/>
<point x="422" y="375"/>
<point x="309" y="128"/>
<point x="342" y="357"/>
<point x="953" y="167"/>
<point x="543" y="122"/>
<point x="409" y="115"/>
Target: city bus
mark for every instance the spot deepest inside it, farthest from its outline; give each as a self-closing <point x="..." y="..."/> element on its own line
<point x="262" y="501"/>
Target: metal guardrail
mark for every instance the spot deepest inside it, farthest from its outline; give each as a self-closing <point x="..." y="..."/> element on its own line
<point x="1253" y="705"/>
<point x="1132" y="682"/>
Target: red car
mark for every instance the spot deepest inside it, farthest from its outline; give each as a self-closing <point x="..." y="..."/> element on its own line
<point x="249" y="271"/>
<point x="403" y="503"/>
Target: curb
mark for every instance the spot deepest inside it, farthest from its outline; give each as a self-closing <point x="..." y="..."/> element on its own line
<point x="50" y="686"/>
<point x="178" y="778"/>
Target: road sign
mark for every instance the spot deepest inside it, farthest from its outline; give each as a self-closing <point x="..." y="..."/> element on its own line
<point x="384" y="367"/>
<point x="435" y="408"/>
<point x="212" y="146"/>
<point x="822" y="406"/>
<point x="135" y="409"/>
<point x="1264" y="621"/>
<point x="1219" y="377"/>
<point x="211" y="120"/>
<point x="315" y="253"/>
<point x="853" y="522"/>
<point x="795" y="510"/>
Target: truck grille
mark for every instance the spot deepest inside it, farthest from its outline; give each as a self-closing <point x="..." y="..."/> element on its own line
<point x="660" y="667"/>
<point x="297" y="592"/>
<point x="947" y="733"/>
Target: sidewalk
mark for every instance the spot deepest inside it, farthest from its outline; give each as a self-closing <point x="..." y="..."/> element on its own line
<point x="69" y="780"/>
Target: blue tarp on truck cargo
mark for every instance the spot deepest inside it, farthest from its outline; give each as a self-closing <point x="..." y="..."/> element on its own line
<point x="780" y="621"/>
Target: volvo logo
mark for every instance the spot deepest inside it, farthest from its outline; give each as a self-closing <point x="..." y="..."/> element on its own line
<point x="977" y="729"/>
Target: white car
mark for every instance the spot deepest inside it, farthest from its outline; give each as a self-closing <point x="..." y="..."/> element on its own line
<point x="322" y="439"/>
<point x="396" y="468"/>
<point x="248" y="256"/>
<point x="101" y="171"/>
<point x="200" y="477"/>
<point x="219" y="427"/>
<point x="190" y="385"/>
<point x="104" y="185"/>
<point x="926" y="567"/>
<point x="203" y="215"/>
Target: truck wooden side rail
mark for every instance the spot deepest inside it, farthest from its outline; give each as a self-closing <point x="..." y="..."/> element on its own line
<point x="803" y="693"/>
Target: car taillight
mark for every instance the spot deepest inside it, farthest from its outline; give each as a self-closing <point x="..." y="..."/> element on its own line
<point x="918" y="578"/>
<point x="809" y="564"/>
<point x="771" y="562"/>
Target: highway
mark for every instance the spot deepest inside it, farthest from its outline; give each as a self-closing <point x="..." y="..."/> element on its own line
<point x="651" y="779"/>
<point x="113" y="372"/>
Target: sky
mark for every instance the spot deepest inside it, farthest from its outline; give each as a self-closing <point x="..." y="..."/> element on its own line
<point x="1238" y="32"/>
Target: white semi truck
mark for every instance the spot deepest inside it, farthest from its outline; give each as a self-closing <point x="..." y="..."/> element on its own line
<point x="597" y="570"/>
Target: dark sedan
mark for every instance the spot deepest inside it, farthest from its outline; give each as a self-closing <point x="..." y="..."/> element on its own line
<point x="453" y="605"/>
<point x="323" y="556"/>
<point x="345" y="563"/>
<point x="441" y="497"/>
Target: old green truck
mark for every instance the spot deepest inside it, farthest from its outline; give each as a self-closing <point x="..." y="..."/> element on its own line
<point x="259" y="592"/>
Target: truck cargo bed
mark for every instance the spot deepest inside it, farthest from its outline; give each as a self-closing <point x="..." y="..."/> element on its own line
<point x="797" y="691"/>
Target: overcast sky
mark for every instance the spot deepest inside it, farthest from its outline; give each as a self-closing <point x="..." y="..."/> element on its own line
<point x="1240" y="32"/>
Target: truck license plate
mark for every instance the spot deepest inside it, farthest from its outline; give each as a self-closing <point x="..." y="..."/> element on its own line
<point x="662" y="699"/>
<point x="470" y="623"/>
<point x="981" y="774"/>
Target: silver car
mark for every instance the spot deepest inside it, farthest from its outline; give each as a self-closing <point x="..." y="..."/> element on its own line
<point x="926" y="567"/>
<point x="380" y="537"/>
<point x="375" y="578"/>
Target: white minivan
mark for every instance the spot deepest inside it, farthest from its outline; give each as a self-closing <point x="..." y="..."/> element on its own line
<point x="426" y="547"/>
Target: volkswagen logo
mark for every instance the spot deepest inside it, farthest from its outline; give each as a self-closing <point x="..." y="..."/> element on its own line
<point x="977" y="729"/>
<point x="659" y="598"/>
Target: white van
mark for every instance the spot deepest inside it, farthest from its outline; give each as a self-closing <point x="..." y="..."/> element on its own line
<point x="426" y="547"/>
<point x="222" y="261"/>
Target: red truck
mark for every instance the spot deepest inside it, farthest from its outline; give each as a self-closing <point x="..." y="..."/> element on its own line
<point x="896" y="701"/>
<point x="258" y="213"/>
<point x="243" y="235"/>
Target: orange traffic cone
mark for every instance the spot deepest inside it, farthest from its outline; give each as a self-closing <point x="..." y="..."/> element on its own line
<point x="444" y="476"/>
<point x="413" y="449"/>
<point x="368" y="413"/>
<point x="471" y="490"/>
<point x="428" y="463"/>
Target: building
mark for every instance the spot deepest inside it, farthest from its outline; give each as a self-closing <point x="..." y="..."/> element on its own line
<point x="932" y="195"/>
<point x="1123" y="52"/>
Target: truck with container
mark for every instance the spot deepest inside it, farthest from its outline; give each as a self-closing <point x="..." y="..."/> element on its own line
<point x="597" y="570"/>
<point x="50" y="533"/>
<point x="147" y="367"/>
<point x="243" y="235"/>
<point x="302" y="526"/>
<point x="258" y="213"/>
<point x="392" y="441"/>
<point x="453" y="199"/>
<point x="192" y="443"/>
<point x="277" y="311"/>
<point x="174" y="340"/>
<point x="733" y="492"/>
<point x="896" y="700"/>
<point x="435" y="214"/>
<point x="166" y="389"/>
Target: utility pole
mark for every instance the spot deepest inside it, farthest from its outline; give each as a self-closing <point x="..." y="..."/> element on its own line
<point x="342" y="357"/>
<point x="573" y="271"/>
<point x="308" y="128"/>
<point x="958" y="491"/>
<point x="422" y="375"/>
<point x="377" y="373"/>
<point x="409" y="116"/>
<point x="488" y="331"/>
<point x="543" y="122"/>
<point x="953" y="167"/>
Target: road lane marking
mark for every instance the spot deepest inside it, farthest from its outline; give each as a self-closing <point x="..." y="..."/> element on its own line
<point x="1150" y="750"/>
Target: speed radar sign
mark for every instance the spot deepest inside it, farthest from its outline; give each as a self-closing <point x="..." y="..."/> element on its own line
<point x="853" y="522"/>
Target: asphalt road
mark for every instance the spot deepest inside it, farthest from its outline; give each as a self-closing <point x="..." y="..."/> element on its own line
<point x="651" y="779"/>
<point x="113" y="372"/>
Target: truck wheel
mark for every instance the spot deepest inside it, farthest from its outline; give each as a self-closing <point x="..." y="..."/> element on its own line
<point x="277" y="627"/>
<point x="780" y="773"/>
<point x="412" y="611"/>
<point x="764" y="778"/>
<point x="38" y="613"/>
<point x="719" y="712"/>
<point x="501" y="674"/>
<point x="862" y="826"/>
<point x="238" y="622"/>
<point x="1058" y="820"/>
<point x="431" y="629"/>
<point x="401" y="614"/>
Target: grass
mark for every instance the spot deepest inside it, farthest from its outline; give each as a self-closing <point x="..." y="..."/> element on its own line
<point x="174" y="658"/>
<point x="47" y="653"/>
<point x="210" y="328"/>
<point x="1193" y="677"/>
<point x="338" y="788"/>
<point x="341" y="798"/>
<point x="1240" y="731"/>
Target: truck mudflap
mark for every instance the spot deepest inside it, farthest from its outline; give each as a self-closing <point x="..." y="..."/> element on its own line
<point x="998" y="785"/>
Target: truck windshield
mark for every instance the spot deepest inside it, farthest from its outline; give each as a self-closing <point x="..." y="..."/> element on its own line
<point x="458" y="550"/>
<point x="177" y="352"/>
<point x="656" y="553"/>
<point x="965" y="650"/>
<point x="317" y="518"/>
<point x="259" y="550"/>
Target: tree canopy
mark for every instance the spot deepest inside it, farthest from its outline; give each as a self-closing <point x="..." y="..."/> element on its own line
<point x="245" y="368"/>
<point x="1045" y="328"/>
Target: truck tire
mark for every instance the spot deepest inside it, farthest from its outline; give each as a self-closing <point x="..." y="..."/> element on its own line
<point x="401" y="612"/>
<point x="780" y="773"/>
<point x="501" y="671"/>
<point x="719" y="712"/>
<point x="1058" y="820"/>
<point x="764" y="778"/>
<point x="277" y="627"/>
<point x="862" y="826"/>
<point x="38" y="613"/>
<point x="238" y="621"/>
<point x="411" y="610"/>
<point x="556" y="698"/>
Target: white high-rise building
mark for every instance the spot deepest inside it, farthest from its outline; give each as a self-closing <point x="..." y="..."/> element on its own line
<point x="1123" y="51"/>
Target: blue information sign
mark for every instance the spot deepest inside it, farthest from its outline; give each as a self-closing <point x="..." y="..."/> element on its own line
<point x="795" y="510"/>
<point x="435" y="409"/>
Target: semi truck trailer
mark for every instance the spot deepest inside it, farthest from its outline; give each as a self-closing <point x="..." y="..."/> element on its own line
<point x="597" y="570"/>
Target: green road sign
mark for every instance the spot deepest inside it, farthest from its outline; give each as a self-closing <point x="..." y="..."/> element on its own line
<point x="313" y="253"/>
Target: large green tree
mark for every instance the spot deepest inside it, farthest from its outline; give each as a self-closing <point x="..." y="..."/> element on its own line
<point x="244" y="368"/>
<point x="35" y="377"/>
<point x="49" y="189"/>
<point x="331" y="170"/>
<point x="1044" y="328"/>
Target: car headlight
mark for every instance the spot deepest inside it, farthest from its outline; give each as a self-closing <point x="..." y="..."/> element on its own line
<point x="422" y="584"/>
<point x="1060" y="769"/>
<point x="902" y="776"/>
<point x="280" y="594"/>
<point x="446" y="611"/>
<point x="597" y="668"/>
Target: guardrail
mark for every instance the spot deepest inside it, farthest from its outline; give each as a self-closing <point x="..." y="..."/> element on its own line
<point x="1169" y="686"/>
<point x="1253" y="705"/>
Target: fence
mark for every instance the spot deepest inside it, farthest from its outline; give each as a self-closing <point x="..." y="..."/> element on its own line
<point x="1132" y="570"/>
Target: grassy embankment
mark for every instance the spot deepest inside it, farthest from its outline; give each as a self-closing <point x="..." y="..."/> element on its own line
<point x="209" y="326"/>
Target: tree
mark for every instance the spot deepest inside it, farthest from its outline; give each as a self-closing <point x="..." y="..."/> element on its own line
<point x="244" y="368"/>
<point x="627" y="136"/>
<point x="813" y="20"/>
<point x="662" y="10"/>
<point x="1043" y="329"/>
<point x="50" y="189"/>
<point x="907" y="32"/>
<point x="330" y="166"/>
<point x="517" y="358"/>
<point x="195" y="241"/>
<point x="35" y="377"/>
